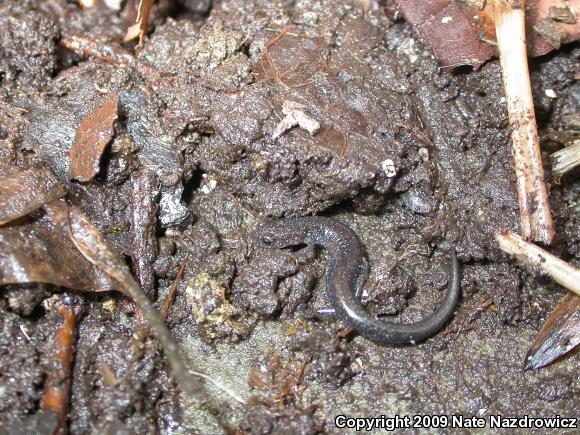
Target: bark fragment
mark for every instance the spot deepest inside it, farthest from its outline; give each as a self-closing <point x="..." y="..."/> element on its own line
<point x="92" y="136"/>
<point x="143" y="217"/>
<point x="140" y="27"/>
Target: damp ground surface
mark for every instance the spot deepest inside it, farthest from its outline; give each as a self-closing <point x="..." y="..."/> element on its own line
<point x="242" y="111"/>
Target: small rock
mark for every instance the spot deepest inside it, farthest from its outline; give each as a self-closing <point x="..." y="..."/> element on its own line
<point x="212" y="311"/>
<point x="171" y="211"/>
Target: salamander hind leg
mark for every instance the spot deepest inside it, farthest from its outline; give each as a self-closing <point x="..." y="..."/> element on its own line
<point x="361" y="279"/>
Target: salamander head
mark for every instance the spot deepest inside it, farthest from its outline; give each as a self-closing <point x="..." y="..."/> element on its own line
<point x="279" y="233"/>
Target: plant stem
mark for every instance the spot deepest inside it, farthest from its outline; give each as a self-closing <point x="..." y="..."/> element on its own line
<point x="535" y="216"/>
<point x="563" y="273"/>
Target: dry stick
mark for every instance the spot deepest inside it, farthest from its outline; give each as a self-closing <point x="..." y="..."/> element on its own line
<point x="535" y="216"/>
<point x="57" y="386"/>
<point x="91" y="48"/>
<point x="132" y="289"/>
<point x="181" y="373"/>
<point x="563" y="273"/>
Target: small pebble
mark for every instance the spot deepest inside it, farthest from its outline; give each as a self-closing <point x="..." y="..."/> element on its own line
<point x="389" y="167"/>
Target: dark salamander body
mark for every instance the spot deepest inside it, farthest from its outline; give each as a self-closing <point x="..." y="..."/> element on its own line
<point x="347" y="274"/>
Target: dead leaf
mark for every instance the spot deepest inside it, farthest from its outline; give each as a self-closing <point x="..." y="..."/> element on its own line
<point x="450" y="30"/>
<point x="87" y="239"/>
<point x="140" y="28"/>
<point x="458" y="34"/>
<point x="24" y="190"/>
<point x="47" y="250"/>
<point x="539" y="10"/>
<point x="36" y="251"/>
<point x="91" y="137"/>
<point x="559" y="335"/>
<point x="94" y="247"/>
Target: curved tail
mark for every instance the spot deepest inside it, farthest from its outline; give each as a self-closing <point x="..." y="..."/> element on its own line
<point x="401" y="333"/>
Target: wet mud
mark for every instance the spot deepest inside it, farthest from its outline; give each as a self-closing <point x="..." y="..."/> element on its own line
<point x="238" y="111"/>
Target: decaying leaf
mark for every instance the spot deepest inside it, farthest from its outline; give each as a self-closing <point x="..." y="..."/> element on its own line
<point x="24" y="190"/>
<point x="96" y="249"/>
<point x="37" y="251"/>
<point x="460" y="32"/>
<point x="559" y="335"/>
<point x="538" y="10"/>
<point x="88" y="239"/>
<point x="91" y="137"/>
<point x="140" y="27"/>
<point x="450" y="30"/>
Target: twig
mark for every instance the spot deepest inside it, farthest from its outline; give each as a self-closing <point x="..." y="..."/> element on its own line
<point x="57" y="386"/>
<point x="143" y="219"/>
<point x="535" y="215"/>
<point x="164" y="312"/>
<point x="86" y="47"/>
<point x="93" y="245"/>
<point x="563" y="273"/>
<point x="95" y="248"/>
<point x="132" y="289"/>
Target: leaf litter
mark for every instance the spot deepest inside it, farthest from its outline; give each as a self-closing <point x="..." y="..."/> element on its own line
<point x="462" y="32"/>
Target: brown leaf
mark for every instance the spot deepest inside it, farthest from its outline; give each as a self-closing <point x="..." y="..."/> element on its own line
<point x="24" y="190"/>
<point x="457" y="34"/>
<point x="559" y="335"/>
<point x="43" y="251"/>
<point x="450" y="30"/>
<point x="36" y="251"/>
<point x="92" y="136"/>
<point x="95" y="248"/>
<point x="87" y="238"/>
<point x="540" y="43"/>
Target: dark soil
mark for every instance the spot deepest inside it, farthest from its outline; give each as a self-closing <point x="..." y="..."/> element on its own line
<point x="414" y="158"/>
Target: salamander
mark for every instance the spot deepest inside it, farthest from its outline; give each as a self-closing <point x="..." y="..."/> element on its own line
<point x="347" y="274"/>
